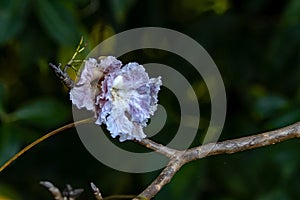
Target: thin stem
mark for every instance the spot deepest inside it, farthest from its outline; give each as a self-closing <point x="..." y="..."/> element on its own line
<point x="96" y="191"/>
<point x="78" y="50"/>
<point x="39" y="140"/>
<point x="124" y="196"/>
<point x="164" y="150"/>
<point x="54" y="190"/>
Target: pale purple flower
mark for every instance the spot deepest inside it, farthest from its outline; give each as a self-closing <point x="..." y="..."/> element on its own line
<point x="122" y="98"/>
<point x="86" y="88"/>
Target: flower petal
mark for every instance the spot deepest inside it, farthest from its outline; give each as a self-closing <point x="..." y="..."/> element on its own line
<point x="83" y="94"/>
<point x="124" y="102"/>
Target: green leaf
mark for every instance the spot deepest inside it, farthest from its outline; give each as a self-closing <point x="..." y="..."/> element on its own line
<point x="291" y="16"/>
<point x="276" y="193"/>
<point x="2" y="94"/>
<point x="284" y="119"/>
<point x="42" y="113"/>
<point x="268" y="105"/>
<point x="120" y="9"/>
<point x="9" y="142"/>
<point x="218" y="6"/>
<point x="11" y="18"/>
<point x="58" y="20"/>
<point x="8" y="193"/>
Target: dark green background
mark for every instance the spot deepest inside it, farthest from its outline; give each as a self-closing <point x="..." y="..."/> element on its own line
<point x="255" y="44"/>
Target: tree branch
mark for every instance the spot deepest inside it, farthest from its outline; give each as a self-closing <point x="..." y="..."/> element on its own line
<point x="54" y="190"/>
<point x="244" y="143"/>
<point x="164" y="150"/>
<point x="68" y="194"/>
<point x="96" y="191"/>
<point x="180" y="158"/>
<point x="162" y="179"/>
<point x="226" y="147"/>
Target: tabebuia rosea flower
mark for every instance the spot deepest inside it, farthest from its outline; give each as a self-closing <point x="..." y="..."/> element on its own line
<point x="122" y="97"/>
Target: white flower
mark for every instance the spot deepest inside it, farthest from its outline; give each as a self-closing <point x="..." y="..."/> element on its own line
<point x="122" y="98"/>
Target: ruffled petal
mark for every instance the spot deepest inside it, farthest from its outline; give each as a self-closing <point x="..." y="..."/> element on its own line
<point x="83" y="94"/>
<point x="155" y="84"/>
<point x="83" y="97"/>
<point x="122" y="98"/>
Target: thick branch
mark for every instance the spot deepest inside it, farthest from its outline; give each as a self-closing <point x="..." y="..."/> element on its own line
<point x="244" y="143"/>
<point x="226" y="147"/>
<point x="163" y="178"/>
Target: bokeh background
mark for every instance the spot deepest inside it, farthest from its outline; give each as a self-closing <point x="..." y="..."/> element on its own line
<point x="255" y="44"/>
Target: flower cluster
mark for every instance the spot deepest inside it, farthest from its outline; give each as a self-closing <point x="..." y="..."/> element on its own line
<point x="122" y="97"/>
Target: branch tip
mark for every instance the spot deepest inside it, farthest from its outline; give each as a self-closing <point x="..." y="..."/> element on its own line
<point x="96" y="191"/>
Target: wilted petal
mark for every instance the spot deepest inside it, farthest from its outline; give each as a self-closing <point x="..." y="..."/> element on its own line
<point x="82" y="97"/>
<point x="90" y="72"/>
<point x="126" y="93"/>
<point x="122" y="98"/>
<point x="83" y="94"/>
<point x="119" y="124"/>
<point x="155" y="84"/>
<point x="110" y="63"/>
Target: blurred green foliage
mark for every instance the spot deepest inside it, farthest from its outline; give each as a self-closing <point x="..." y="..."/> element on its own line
<point x="255" y="44"/>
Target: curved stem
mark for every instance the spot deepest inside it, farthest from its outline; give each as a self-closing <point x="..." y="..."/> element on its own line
<point x="39" y="140"/>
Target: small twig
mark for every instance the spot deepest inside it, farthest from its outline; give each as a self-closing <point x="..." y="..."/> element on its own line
<point x="122" y="196"/>
<point x="54" y="190"/>
<point x="164" y="150"/>
<point x="71" y="194"/>
<point x="96" y="191"/>
<point x="62" y="75"/>
<point x="98" y="195"/>
<point x="78" y="50"/>
<point x="68" y="194"/>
